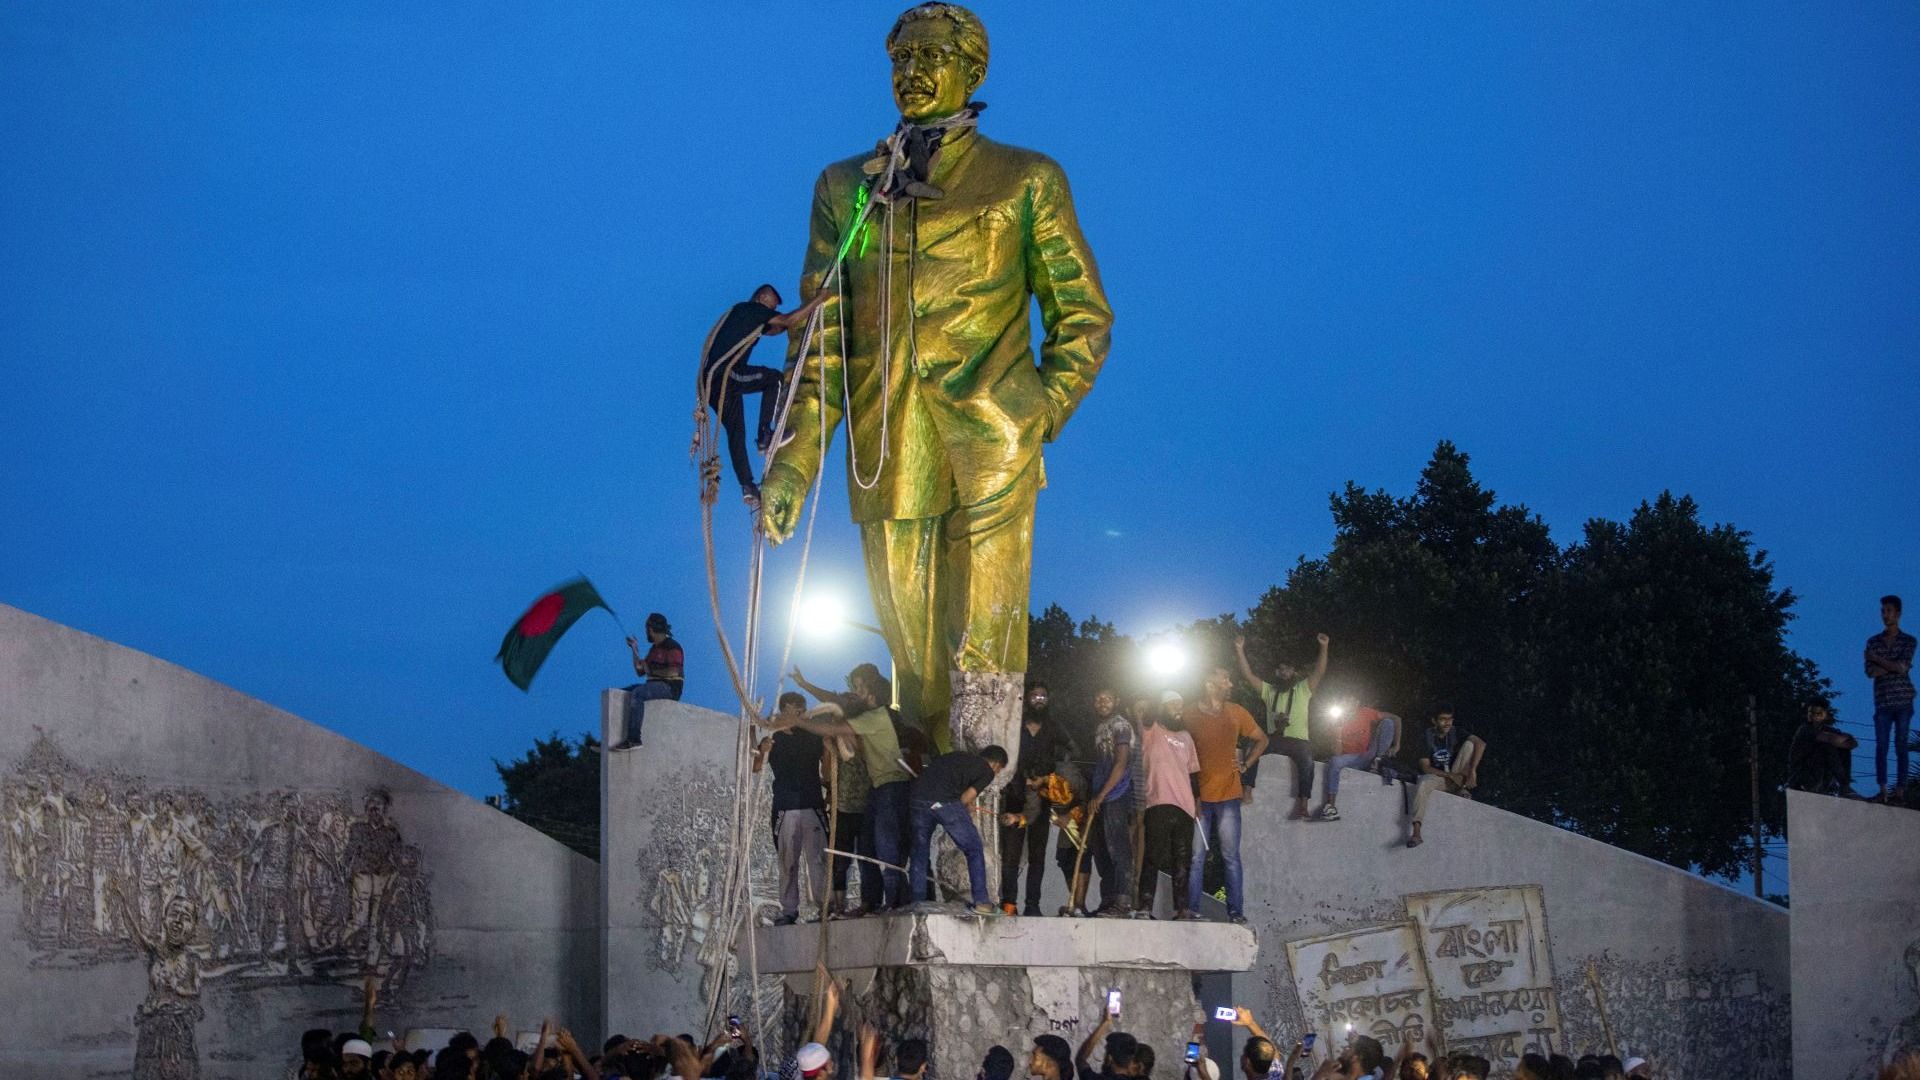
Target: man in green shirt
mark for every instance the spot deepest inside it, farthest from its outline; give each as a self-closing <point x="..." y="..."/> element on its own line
<point x="863" y="714"/>
<point x="1287" y="699"/>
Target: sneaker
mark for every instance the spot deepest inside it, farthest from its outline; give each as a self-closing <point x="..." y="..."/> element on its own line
<point x="1031" y="911"/>
<point x="1117" y="911"/>
<point x="750" y="494"/>
<point x="984" y="909"/>
<point x="1186" y="916"/>
<point x="1237" y="919"/>
<point x="786" y="920"/>
<point x="1142" y="913"/>
<point x="1008" y="907"/>
<point x="1073" y="913"/>
<point x="621" y="748"/>
<point x="1329" y="812"/>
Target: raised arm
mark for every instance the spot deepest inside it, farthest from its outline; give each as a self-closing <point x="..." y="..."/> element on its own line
<point x="639" y="662"/>
<point x="1083" y="1056"/>
<point x="820" y="693"/>
<point x="1243" y="1017"/>
<point x="1073" y="306"/>
<point x="579" y="1058"/>
<point x="798" y="316"/>
<point x="1319" y="664"/>
<point x="829" y="1009"/>
<point x="1246" y="670"/>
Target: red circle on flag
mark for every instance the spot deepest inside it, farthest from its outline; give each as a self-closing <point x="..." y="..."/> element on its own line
<point x="542" y="615"/>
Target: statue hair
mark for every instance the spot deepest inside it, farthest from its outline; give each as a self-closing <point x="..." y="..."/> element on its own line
<point x="969" y="32"/>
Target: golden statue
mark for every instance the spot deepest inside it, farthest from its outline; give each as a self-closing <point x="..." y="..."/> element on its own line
<point x="945" y="406"/>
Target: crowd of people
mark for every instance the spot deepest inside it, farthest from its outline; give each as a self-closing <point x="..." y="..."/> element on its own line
<point x="1106" y="1053"/>
<point x="1126" y="793"/>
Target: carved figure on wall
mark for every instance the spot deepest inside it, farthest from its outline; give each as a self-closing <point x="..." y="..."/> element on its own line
<point x="1905" y="1036"/>
<point x="309" y="886"/>
<point x="164" y="1044"/>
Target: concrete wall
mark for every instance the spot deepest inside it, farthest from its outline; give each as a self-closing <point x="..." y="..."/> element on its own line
<point x="1855" y="877"/>
<point x="137" y="794"/>
<point x="1695" y="976"/>
<point x="668" y="813"/>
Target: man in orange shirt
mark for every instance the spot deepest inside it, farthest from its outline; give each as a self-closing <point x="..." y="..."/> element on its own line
<point x="1217" y="726"/>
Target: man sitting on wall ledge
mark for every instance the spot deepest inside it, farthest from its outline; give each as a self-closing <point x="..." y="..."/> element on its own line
<point x="1445" y="756"/>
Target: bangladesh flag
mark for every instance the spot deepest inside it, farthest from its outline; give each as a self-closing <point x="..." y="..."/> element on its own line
<point x="535" y="633"/>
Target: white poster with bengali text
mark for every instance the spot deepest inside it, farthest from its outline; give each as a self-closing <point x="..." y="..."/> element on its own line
<point x="1370" y="982"/>
<point x="1486" y="952"/>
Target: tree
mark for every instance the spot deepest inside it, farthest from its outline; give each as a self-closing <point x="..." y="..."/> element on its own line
<point x="1076" y="660"/>
<point x="1664" y="629"/>
<point x="555" y="787"/>
<point x="1609" y="679"/>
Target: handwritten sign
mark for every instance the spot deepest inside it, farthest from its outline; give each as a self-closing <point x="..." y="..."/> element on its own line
<point x="1373" y="979"/>
<point x="1487" y="955"/>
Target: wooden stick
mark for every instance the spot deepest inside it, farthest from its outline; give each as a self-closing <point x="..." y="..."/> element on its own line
<point x="1600" y="1001"/>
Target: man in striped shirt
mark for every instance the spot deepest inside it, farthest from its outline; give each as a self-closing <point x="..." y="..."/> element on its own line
<point x="1889" y="660"/>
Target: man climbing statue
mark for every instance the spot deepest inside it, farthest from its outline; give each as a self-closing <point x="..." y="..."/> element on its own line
<point x="726" y="378"/>
<point x="945" y="407"/>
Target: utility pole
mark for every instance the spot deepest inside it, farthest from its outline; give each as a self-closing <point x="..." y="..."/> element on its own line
<point x="1753" y="769"/>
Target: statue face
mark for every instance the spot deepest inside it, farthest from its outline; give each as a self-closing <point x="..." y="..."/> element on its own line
<point x="931" y="79"/>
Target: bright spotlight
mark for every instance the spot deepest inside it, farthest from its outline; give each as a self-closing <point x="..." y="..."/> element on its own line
<point x="1336" y="711"/>
<point x="822" y="615"/>
<point x="1167" y="659"/>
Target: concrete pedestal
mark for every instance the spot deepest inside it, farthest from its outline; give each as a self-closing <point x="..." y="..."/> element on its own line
<point x="966" y="984"/>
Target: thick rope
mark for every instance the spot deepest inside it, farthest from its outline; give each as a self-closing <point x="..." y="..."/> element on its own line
<point x="737" y="875"/>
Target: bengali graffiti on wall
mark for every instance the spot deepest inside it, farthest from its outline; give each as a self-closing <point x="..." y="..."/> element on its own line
<point x="1470" y="966"/>
<point x="287" y="886"/>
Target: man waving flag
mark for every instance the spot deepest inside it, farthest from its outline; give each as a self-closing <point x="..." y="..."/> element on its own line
<point x="536" y="632"/>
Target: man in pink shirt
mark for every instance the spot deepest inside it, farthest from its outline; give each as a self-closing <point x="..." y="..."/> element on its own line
<point x="1172" y="762"/>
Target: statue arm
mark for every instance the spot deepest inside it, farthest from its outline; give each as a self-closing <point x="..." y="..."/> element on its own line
<point x="1073" y="306"/>
<point x="818" y="395"/>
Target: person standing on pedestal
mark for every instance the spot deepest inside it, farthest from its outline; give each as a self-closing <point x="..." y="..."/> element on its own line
<point x="926" y="347"/>
<point x="799" y="805"/>
<point x="1217" y="726"/>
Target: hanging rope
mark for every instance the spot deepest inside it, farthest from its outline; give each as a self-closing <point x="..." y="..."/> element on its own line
<point x="736" y="877"/>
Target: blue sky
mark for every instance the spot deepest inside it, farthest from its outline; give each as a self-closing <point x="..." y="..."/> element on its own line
<point x="332" y="334"/>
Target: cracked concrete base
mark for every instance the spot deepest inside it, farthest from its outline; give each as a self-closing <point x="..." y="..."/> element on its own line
<point x="967" y="984"/>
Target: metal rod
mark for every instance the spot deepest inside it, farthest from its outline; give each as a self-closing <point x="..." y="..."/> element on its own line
<point x="1753" y="769"/>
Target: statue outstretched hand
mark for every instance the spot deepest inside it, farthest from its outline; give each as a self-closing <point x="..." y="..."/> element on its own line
<point x="783" y="491"/>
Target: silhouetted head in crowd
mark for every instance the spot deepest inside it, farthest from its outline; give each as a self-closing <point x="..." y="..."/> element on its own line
<point x="1533" y="1067"/>
<point x="910" y="1059"/>
<point x="1142" y="1061"/>
<point x="997" y="1065"/>
<point x="1471" y="1066"/>
<point x="1415" y="1067"/>
<point x="1256" y="1058"/>
<point x="1361" y="1058"/>
<point x="1051" y="1059"/>
<point x="1119" y="1056"/>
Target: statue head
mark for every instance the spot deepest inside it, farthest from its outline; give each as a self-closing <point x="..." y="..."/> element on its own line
<point x="939" y="54"/>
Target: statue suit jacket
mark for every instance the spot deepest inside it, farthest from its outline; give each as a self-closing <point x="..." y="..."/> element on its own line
<point x="966" y="406"/>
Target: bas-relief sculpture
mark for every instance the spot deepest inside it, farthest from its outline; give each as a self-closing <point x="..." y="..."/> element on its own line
<point x="1484" y="960"/>
<point x="676" y="868"/>
<point x="280" y="887"/>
